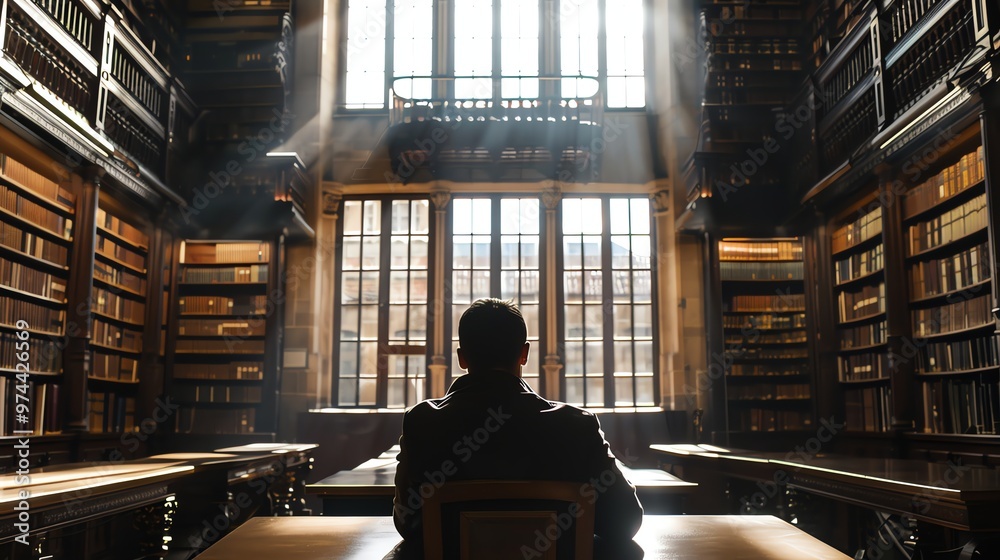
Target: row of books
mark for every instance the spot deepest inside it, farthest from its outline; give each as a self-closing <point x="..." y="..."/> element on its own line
<point x="766" y="304"/>
<point x="242" y="274"/>
<point x="231" y="345"/>
<point x="118" y="276"/>
<point x="862" y="367"/>
<point x="858" y="265"/>
<point x="769" y="391"/>
<point x="214" y="327"/>
<point x="906" y="14"/>
<point x="769" y="420"/>
<point x="948" y="274"/>
<point x="868" y="409"/>
<point x="760" y="250"/>
<point x="44" y="354"/>
<point x="863" y="335"/>
<point x="865" y="302"/>
<point x="221" y="305"/>
<point x="109" y="412"/>
<point x="764" y="370"/>
<point x="761" y="271"/>
<point x="22" y="175"/>
<point x="771" y="353"/>
<point x="114" y="336"/>
<point x="733" y="45"/>
<point x="197" y="420"/>
<point x="790" y="337"/>
<point x="956" y="316"/>
<point x="113" y="305"/>
<point x="938" y="357"/>
<point x="954" y="224"/>
<point x="860" y="230"/>
<point x="39" y="317"/>
<point x="249" y="394"/>
<point x="969" y="171"/>
<point x="107" y="365"/>
<point x="43" y="407"/>
<point x="224" y="252"/>
<point x="32" y="245"/>
<point x="107" y="247"/>
<point x="123" y="229"/>
<point x="231" y="371"/>
<point x="20" y="277"/>
<point x="752" y="322"/>
<point x="749" y="11"/>
<point x="16" y="203"/>
<point x="756" y="64"/>
<point x="962" y="406"/>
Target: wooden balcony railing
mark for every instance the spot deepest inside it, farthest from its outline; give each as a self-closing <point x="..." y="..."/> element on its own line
<point x="433" y="98"/>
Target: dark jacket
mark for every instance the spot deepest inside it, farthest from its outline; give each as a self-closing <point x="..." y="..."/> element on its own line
<point x="491" y="425"/>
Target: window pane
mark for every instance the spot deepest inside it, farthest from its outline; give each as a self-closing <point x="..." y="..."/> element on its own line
<point x="586" y="258"/>
<point x="626" y="84"/>
<point x="367" y="314"/>
<point x="473" y="54"/>
<point x="519" y="47"/>
<point x="365" y="45"/>
<point x="578" y="38"/>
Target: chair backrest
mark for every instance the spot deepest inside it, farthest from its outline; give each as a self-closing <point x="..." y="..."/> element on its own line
<point x="496" y="519"/>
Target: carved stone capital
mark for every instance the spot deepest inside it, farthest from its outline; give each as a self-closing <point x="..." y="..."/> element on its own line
<point x="331" y="204"/>
<point x="440" y="199"/>
<point x="551" y="197"/>
<point x="660" y="200"/>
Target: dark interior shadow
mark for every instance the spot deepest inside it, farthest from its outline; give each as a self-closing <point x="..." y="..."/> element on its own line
<point x="603" y="550"/>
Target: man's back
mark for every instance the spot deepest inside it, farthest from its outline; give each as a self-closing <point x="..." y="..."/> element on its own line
<point x="492" y="426"/>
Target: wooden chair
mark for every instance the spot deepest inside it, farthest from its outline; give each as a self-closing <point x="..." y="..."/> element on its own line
<point x="496" y="519"/>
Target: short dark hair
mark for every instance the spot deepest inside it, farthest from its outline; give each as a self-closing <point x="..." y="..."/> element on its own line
<point x="492" y="332"/>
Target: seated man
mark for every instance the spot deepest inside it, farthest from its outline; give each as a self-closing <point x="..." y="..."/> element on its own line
<point x="491" y="425"/>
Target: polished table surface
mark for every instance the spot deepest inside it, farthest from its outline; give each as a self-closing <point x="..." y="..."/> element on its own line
<point x="961" y="497"/>
<point x="662" y="537"/>
<point x="375" y="477"/>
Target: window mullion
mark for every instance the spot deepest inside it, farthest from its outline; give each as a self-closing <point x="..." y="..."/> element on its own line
<point x="496" y="263"/>
<point x="602" y="47"/>
<point x="385" y="247"/>
<point x="607" y="295"/>
<point x="390" y="40"/>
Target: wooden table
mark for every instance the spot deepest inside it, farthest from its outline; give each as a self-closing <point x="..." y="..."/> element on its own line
<point x="368" y="489"/>
<point x="662" y="537"/>
<point x="947" y="495"/>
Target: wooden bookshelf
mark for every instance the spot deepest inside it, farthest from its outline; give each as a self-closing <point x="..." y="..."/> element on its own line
<point x="118" y="307"/>
<point x="949" y="266"/>
<point x="225" y="345"/>
<point x="768" y="386"/>
<point x="36" y="223"/>
<point x="859" y="301"/>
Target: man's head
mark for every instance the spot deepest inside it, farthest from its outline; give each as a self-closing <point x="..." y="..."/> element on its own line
<point x="492" y="335"/>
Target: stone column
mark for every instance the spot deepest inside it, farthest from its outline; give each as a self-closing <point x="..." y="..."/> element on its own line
<point x="438" y="368"/>
<point x="325" y="296"/>
<point x="666" y="293"/>
<point x="551" y="362"/>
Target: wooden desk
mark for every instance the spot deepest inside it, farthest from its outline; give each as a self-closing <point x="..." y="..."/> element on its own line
<point x="368" y="489"/>
<point x="946" y="495"/>
<point x="662" y="537"/>
<point x="963" y="498"/>
<point x="74" y="496"/>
